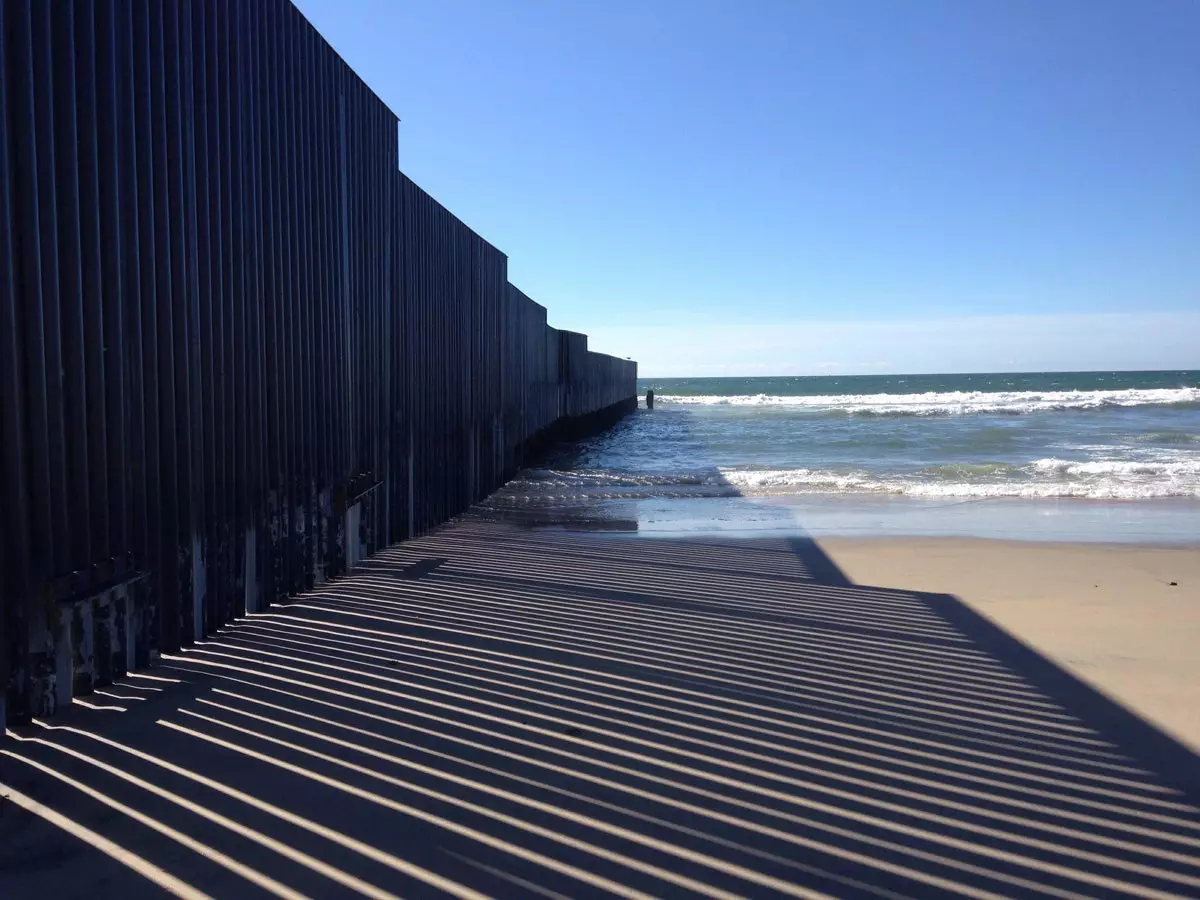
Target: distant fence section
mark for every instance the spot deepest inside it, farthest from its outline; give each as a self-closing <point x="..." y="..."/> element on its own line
<point x="239" y="350"/>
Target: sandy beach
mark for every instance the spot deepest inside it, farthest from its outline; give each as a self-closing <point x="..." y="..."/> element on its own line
<point x="1107" y="612"/>
<point x="512" y="711"/>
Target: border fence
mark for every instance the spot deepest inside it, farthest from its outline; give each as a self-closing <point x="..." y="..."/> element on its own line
<point x="239" y="349"/>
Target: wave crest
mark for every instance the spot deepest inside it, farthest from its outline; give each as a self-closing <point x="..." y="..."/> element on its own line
<point x="952" y="402"/>
<point x="1044" y="478"/>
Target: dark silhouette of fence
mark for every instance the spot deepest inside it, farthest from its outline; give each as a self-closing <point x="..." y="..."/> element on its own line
<point x="239" y="350"/>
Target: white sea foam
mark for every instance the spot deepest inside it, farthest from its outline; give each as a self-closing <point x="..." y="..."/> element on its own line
<point x="1043" y="478"/>
<point x="1100" y="488"/>
<point x="953" y="402"/>
<point x="1180" y="469"/>
<point x="765" y="481"/>
<point x="1048" y="491"/>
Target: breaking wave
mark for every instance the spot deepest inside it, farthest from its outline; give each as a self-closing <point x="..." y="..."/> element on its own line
<point x="1043" y="478"/>
<point x="953" y="402"/>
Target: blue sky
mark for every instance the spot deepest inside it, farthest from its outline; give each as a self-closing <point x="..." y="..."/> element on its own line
<point x="721" y="187"/>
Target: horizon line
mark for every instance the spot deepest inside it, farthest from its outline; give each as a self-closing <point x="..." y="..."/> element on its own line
<point x="642" y="377"/>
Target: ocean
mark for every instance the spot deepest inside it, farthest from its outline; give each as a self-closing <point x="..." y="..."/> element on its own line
<point x="1130" y="437"/>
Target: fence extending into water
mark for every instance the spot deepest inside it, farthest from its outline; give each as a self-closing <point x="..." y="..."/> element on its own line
<point x="239" y="350"/>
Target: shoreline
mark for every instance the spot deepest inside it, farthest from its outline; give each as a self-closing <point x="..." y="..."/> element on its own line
<point x="1103" y="609"/>
<point x="1167" y="523"/>
<point x="1015" y="542"/>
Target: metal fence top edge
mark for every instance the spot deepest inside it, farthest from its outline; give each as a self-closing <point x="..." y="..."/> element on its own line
<point x="349" y="68"/>
<point x="456" y="222"/>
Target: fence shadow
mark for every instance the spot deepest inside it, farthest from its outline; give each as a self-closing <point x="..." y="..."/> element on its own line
<point x="494" y="710"/>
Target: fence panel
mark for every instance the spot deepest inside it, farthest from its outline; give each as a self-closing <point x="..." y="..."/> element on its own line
<point x="239" y="349"/>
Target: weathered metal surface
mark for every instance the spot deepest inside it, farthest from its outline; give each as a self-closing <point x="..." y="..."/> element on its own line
<point x="239" y="350"/>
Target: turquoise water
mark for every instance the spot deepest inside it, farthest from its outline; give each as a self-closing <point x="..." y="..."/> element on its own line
<point x="1127" y="436"/>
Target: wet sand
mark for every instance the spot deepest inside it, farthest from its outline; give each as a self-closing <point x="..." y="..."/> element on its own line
<point x="1107" y="612"/>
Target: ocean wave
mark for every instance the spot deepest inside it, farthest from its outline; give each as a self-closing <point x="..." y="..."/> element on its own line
<point x="953" y="402"/>
<point x="1044" y="478"/>
<point x="1159" y="469"/>
<point x="1099" y="481"/>
<point x="1169" y="437"/>
<point x="1049" y="491"/>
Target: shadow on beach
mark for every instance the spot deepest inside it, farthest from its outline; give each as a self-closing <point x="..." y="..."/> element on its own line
<point x="499" y="710"/>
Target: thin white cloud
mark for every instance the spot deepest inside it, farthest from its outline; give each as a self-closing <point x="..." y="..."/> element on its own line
<point x="964" y="344"/>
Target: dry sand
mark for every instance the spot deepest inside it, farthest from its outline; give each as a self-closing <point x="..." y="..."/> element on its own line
<point x="1107" y="612"/>
<point x="498" y="711"/>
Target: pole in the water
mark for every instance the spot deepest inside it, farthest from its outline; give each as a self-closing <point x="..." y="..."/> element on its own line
<point x="650" y="399"/>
